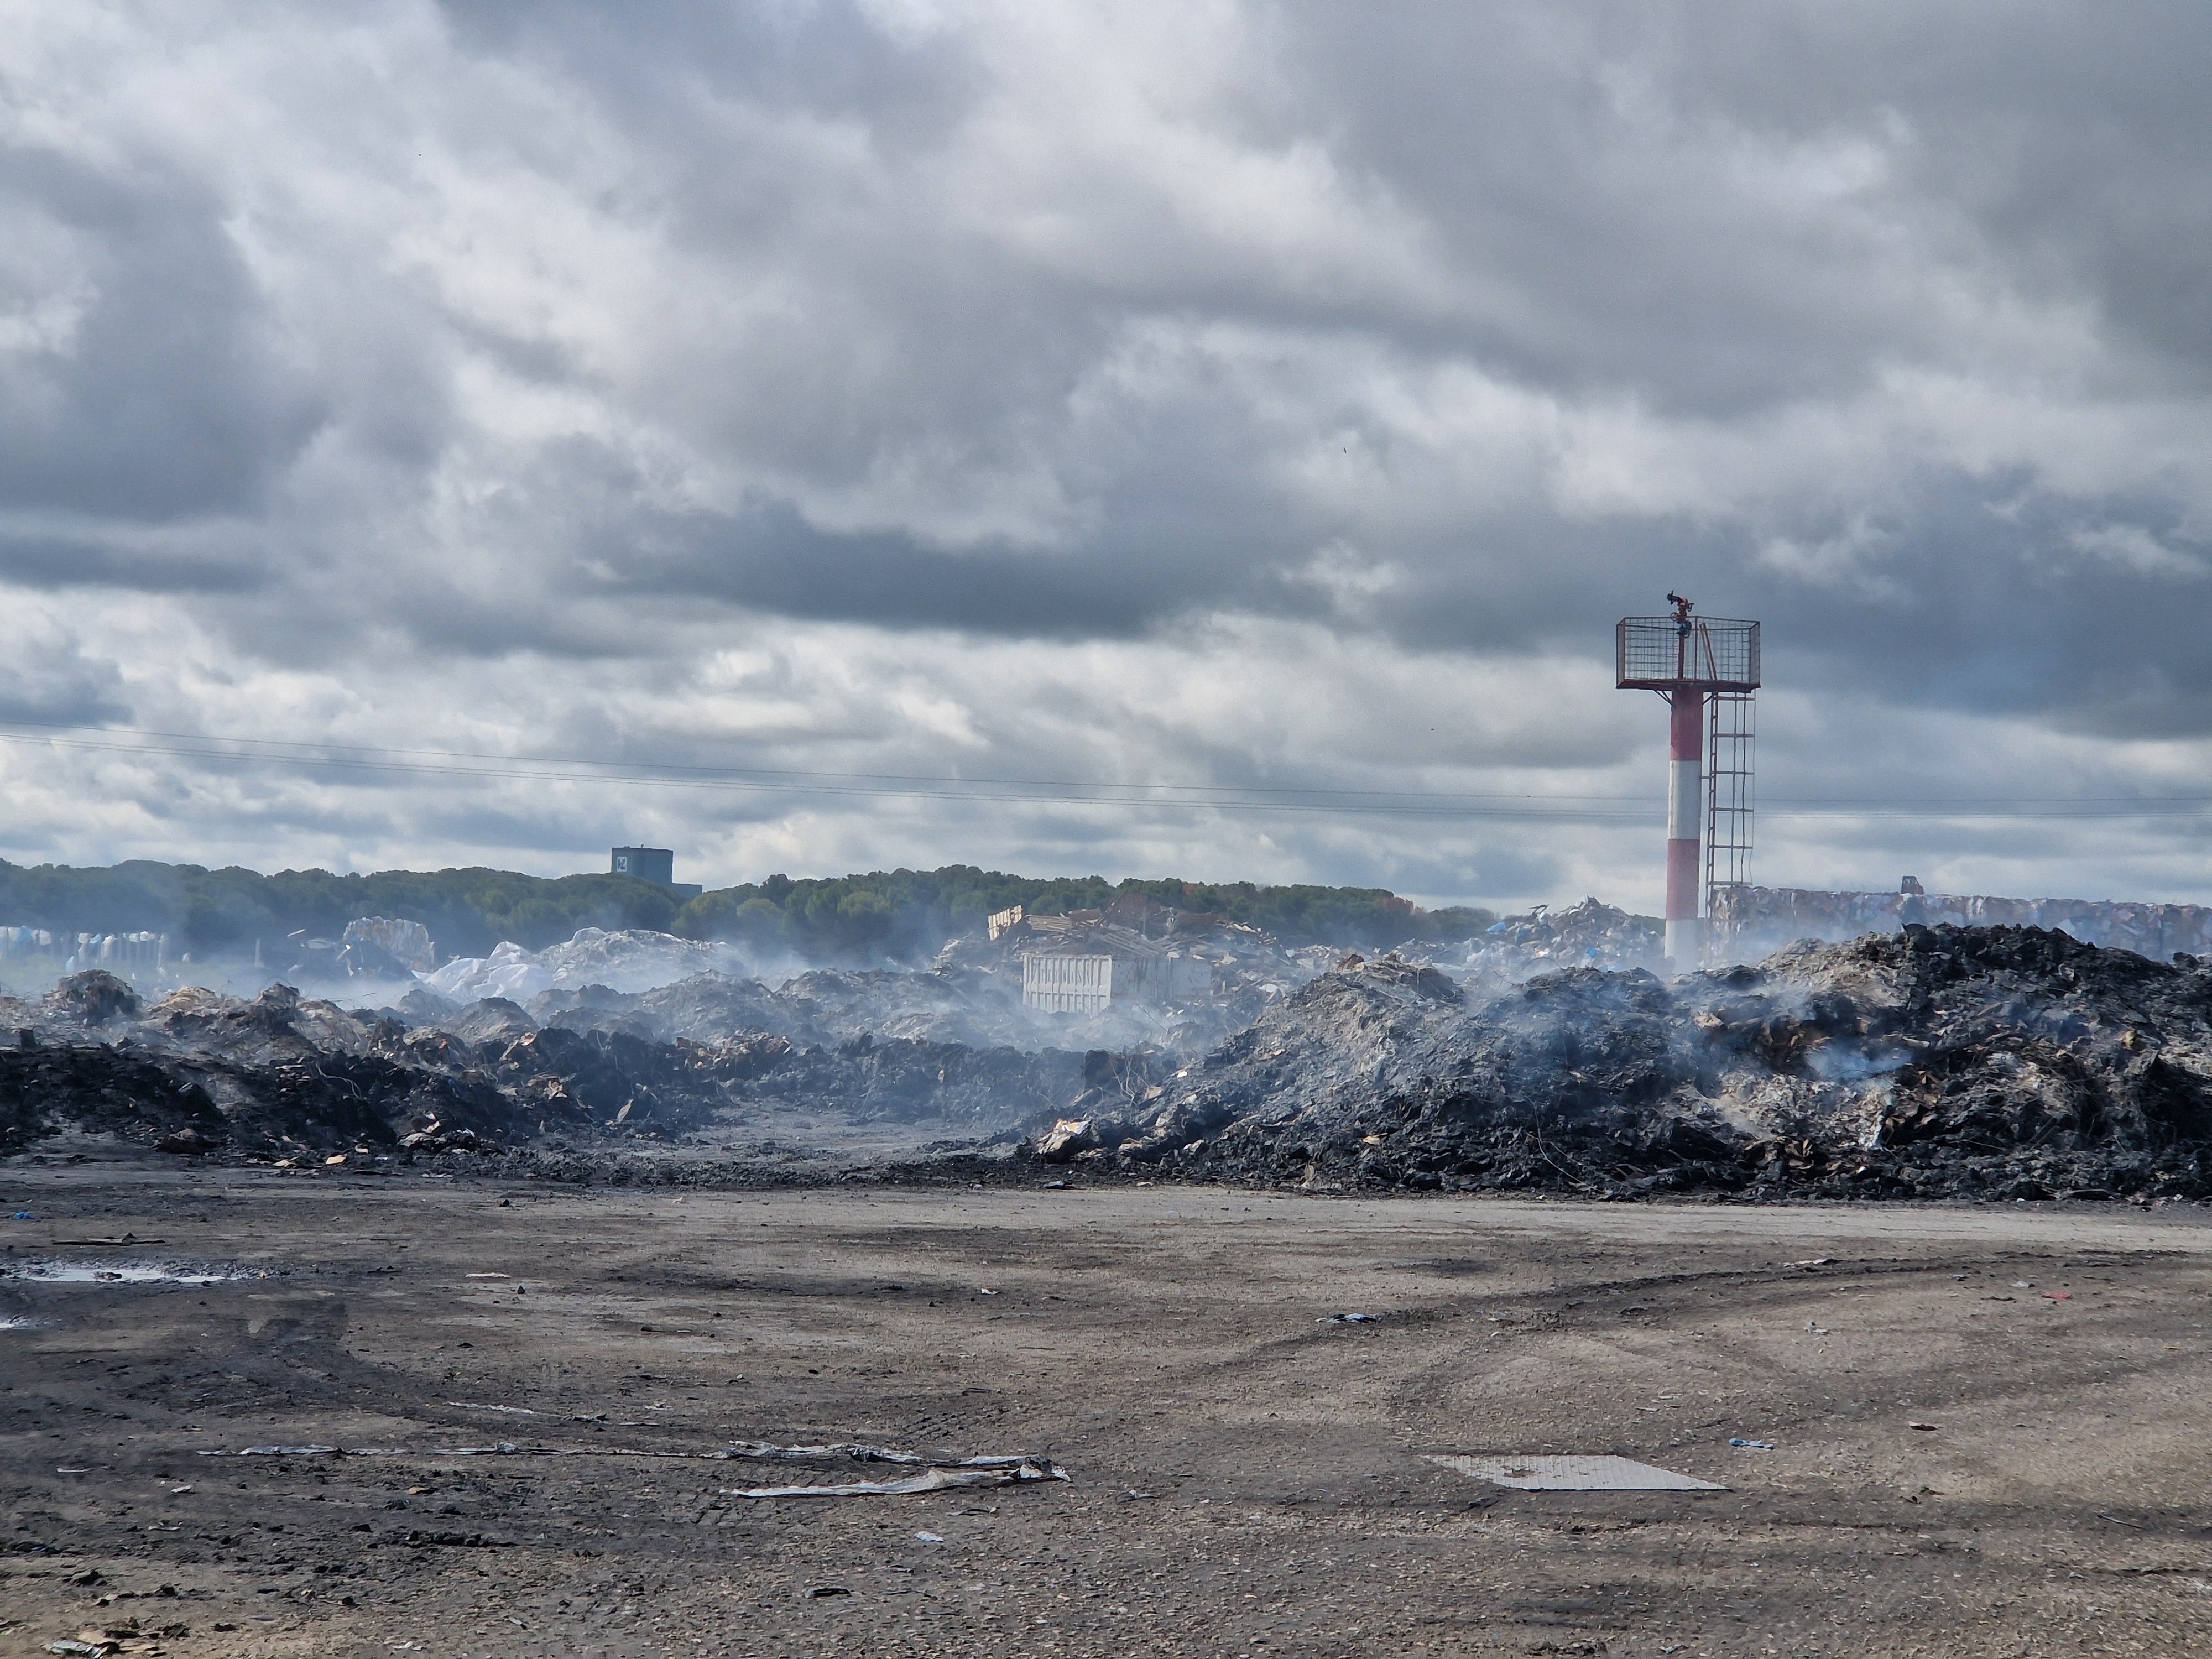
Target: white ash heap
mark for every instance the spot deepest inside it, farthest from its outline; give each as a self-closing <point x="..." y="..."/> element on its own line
<point x="632" y="960"/>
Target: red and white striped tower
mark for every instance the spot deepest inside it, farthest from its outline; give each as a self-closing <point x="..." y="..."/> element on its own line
<point x="1686" y="812"/>
<point x="1690" y="661"/>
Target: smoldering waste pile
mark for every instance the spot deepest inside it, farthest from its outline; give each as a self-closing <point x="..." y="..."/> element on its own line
<point x="279" y="1075"/>
<point x="1999" y="1062"/>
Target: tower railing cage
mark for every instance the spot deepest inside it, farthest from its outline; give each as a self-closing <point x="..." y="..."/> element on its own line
<point x="1698" y="653"/>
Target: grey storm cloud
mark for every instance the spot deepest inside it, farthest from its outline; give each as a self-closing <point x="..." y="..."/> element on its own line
<point x="777" y="384"/>
<point x="171" y="400"/>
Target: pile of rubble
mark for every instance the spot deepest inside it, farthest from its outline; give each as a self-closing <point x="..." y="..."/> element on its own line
<point x="1755" y="921"/>
<point x="374" y="940"/>
<point x="282" y="1078"/>
<point x="634" y="959"/>
<point x="1179" y="979"/>
<point x="1986" y="1062"/>
<point x="1590" y="935"/>
<point x="834" y="1008"/>
<point x="2000" y="1062"/>
<point x="372" y="948"/>
<point x="826" y="1007"/>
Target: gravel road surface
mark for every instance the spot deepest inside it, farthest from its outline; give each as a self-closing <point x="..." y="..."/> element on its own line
<point x="550" y="1380"/>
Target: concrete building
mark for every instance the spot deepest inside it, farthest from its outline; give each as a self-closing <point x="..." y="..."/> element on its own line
<point x="654" y="863"/>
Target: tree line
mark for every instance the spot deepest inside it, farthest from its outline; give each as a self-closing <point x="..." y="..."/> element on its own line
<point x="901" y="914"/>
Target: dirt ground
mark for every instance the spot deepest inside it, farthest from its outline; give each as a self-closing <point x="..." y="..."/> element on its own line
<point x="1250" y="1477"/>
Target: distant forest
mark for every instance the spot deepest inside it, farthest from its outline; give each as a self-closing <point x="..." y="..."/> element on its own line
<point x="900" y="914"/>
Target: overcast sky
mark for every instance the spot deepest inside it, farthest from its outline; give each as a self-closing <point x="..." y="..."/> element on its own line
<point x="1218" y="398"/>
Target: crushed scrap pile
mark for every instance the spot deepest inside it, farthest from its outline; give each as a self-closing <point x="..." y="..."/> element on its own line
<point x="1590" y="935"/>
<point x="280" y="1076"/>
<point x="2000" y="1062"/>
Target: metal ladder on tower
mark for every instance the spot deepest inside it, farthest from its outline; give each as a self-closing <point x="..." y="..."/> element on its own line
<point x="1729" y="802"/>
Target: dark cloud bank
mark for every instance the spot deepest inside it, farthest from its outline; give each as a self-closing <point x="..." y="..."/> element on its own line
<point x="1213" y="394"/>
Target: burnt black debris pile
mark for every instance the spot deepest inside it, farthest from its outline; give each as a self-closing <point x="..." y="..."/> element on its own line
<point x="205" y="1073"/>
<point x="280" y="1076"/>
<point x="1993" y="1062"/>
<point x="1999" y="1062"/>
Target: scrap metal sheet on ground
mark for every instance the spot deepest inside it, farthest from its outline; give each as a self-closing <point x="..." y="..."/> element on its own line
<point x="1575" y="1474"/>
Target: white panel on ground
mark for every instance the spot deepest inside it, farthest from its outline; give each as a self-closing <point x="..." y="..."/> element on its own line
<point x="1575" y="1474"/>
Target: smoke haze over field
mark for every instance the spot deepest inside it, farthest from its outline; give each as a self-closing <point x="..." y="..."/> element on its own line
<point x="897" y="398"/>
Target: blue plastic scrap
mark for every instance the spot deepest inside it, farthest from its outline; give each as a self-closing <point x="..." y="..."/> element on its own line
<point x="1753" y="1445"/>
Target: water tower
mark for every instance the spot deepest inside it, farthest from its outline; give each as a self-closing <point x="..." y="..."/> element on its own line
<point x="1707" y="668"/>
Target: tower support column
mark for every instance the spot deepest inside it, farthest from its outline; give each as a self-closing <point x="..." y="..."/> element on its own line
<point x="1686" y="752"/>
